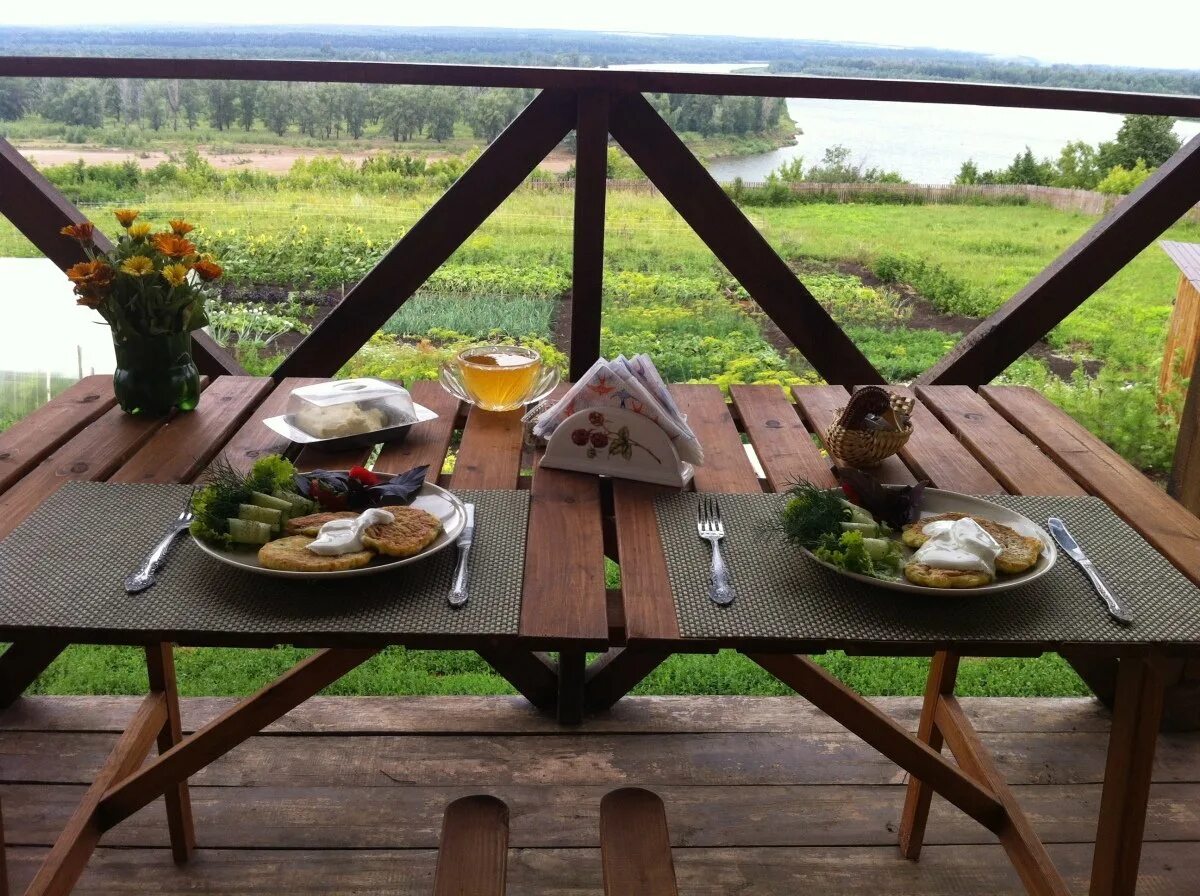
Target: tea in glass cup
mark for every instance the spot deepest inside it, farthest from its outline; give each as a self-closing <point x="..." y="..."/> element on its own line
<point x="499" y="377"/>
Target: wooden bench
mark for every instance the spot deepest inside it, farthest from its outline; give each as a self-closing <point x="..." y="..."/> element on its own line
<point x="473" y="849"/>
<point x="635" y="847"/>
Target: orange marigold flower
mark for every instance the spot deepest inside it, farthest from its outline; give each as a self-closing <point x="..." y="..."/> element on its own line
<point x="126" y="216"/>
<point x="138" y="266"/>
<point x="92" y="280"/>
<point x="172" y="245"/>
<point x="139" y="231"/>
<point x="82" y="231"/>
<point x="181" y="227"/>
<point x="207" y="269"/>
<point x="175" y="274"/>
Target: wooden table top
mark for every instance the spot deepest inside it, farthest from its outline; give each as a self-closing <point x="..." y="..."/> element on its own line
<point x="1001" y="439"/>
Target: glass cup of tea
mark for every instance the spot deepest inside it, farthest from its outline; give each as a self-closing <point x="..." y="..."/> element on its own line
<point x="498" y="377"/>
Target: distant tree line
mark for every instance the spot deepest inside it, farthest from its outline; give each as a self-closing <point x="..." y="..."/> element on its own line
<point x="1143" y="143"/>
<point x="332" y="111"/>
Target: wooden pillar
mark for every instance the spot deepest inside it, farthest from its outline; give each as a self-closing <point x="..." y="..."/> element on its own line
<point x="591" y="184"/>
<point x="1184" y="486"/>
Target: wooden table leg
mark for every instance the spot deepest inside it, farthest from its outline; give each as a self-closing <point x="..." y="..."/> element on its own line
<point x="572" y="668"/>
<point x="618" y="672"/>
<point x="943" y="672"/>
<point x="533" y="675"/>
<point x="22" y="663"/>
<point x="1136" y="716"/>
<point x="160" y="663"/>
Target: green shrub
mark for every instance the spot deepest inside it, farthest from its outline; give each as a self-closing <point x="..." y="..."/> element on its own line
<point x="473" y="315"/>
<point x="945" y="291"/>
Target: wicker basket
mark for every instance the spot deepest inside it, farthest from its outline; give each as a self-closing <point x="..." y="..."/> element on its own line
<point x="854" y="446"/>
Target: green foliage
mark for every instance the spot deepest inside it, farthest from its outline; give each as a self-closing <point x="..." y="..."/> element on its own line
<point x="946" y="291"/>
<point x="476" y="316"/>
<point x="837" y="168"/>
<point x="1121" y="181"/>
<point x="387" y="359"/>
<point x="244" y="322"/>
<point x="901" y="354"/>
<point x="1147" y="138"/>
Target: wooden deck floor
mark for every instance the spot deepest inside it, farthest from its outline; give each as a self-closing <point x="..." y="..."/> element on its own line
<point x="764" y="796"/>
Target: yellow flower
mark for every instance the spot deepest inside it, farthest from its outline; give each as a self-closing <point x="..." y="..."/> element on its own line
<point x="140" y="231"/>
<point x="175" y="274"/>
<point x="126" y="216"/>
<point x="138" y="266"/>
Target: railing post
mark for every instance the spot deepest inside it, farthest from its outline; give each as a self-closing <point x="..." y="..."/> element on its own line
<point x="1184" y="486"/>
<point x="591" y="183"/>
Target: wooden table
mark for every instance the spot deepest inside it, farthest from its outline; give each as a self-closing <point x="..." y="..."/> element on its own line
<point x="999" y="440"/>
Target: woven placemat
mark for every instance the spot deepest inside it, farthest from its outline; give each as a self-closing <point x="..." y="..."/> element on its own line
<point x="781" y="593"/>
<point x="64" y="566"/>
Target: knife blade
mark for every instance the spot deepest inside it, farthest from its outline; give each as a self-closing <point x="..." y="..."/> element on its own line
<point x="1069" y="545"/>
<point x="458" y="593"/>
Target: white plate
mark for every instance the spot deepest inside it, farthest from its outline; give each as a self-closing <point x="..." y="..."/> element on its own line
<point x="432" y="498"/>
<point x="938" y="502"/>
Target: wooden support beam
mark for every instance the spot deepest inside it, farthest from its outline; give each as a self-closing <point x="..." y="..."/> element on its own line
<point x="67" y="858"/>
<point x="473" y="849"/>
<point x="618" y="672"/>
<point x="1184" y="486"/>
<point x="1026" y="852"/>
<point x="225" y="732"/>
<point x="635" y="844"/>
<point x="587" y="273"/>
<point x="943" y="672"/>
<point x="1136" y="718"/>
<point x="723" y="227"/>
<point x="533" y="675"/>
<point x="888" y="737"/>
<point x="160" y="666"/>
<point x="572" y="666"/>
<point x="455" y="216"/>
<point x="22" y="663"/>
<point x="1130" y="227"/>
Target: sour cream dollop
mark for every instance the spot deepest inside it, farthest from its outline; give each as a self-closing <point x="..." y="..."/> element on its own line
<point x="959" y="544"/>
<point x="345" y="536"/>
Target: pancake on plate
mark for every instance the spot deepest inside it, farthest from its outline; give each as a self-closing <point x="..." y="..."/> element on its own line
<point x="411" y="532"/>
<point x="292" y="554"/>
<point x="936" y="577"/>
<point x="1020" y="552"/>
<point x="312" y="523"/>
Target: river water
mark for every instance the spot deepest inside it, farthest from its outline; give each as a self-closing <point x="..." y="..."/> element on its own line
<point x="925" y="143"/>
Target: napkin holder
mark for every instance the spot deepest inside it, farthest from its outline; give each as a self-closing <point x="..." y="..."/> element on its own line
<point x="619" y="443"/>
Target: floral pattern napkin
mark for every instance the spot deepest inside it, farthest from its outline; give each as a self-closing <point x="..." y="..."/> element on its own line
<point x="633" y="385"/>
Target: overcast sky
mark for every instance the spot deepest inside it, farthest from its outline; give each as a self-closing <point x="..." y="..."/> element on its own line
<point x="1161" y="34"/>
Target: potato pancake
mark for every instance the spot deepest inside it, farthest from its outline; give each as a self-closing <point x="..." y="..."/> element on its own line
<point x="292" y="554"/>
<point x="411" y="532"/>
<point x="1020" y="552"/>
<point x="311" y="524"/>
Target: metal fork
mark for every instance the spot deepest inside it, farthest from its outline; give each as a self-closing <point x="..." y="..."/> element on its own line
<point x="712" y="530"/>
<point x="147" y="574"/>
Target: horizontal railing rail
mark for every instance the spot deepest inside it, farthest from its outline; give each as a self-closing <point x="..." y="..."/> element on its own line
<point x="600" y="104"/>
<point x="616" y="80"/>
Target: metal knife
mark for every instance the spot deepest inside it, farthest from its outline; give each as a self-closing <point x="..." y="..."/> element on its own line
<point x="458" y="593"/>
<point x="1116" y="609"/>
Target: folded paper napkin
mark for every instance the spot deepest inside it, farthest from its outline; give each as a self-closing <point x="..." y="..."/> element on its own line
<point x="632" y="384"/>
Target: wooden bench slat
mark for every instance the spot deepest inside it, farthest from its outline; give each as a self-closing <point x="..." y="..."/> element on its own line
<point x="819" y="406"/>
<point x="473" y="852"/>
<point x="36" y="435"/>
<point x="635" y="846"/>
<point x="427" y="443"/>
<point x="726" y="467"/>
<point x="783" y="444"/>
<point x="254" y="439"/>
<point x="1102" y="472"/>
<point x="1016" y="462"/>
<point x="179" y="451"/>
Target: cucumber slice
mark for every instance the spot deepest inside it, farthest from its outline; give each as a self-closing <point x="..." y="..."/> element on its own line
<point x="868" y="530"/>
<point x="263" y="500"/>
<point x="249" y="531"/>
<point x="301" y="506"/>
<point x="269" y="515"/>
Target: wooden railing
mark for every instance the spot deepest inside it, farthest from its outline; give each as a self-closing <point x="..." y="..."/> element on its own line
<point x="598" y="104"/>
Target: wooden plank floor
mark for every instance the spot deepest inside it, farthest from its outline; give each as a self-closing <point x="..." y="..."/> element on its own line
<point x="764" y="796"/>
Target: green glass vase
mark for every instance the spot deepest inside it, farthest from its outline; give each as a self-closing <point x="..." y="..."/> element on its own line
<point x="155" y="374"/>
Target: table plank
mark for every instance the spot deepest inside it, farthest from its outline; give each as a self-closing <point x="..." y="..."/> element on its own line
<point x="819" y="405"/>
<point x="254" y="439"/>
<point x="427" y="443"/>
<point x="935" y="454"/>
<point x="32" y="438"/>
<point x="490" y="454"/>
<point x="726" y="467"/>
<point x="181" y="449"/>
<point x="645" y="585"/>
<point x="1161" y="520"/>
<point x="783" y="444"/>
<point x="1015" y="461"/>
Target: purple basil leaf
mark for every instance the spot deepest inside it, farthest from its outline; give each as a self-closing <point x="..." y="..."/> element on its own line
<point x="400" y="489"/>
<point x="896" y="505"/>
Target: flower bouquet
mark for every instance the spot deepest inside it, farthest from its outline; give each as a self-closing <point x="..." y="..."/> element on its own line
<point x="150" y="288"/>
